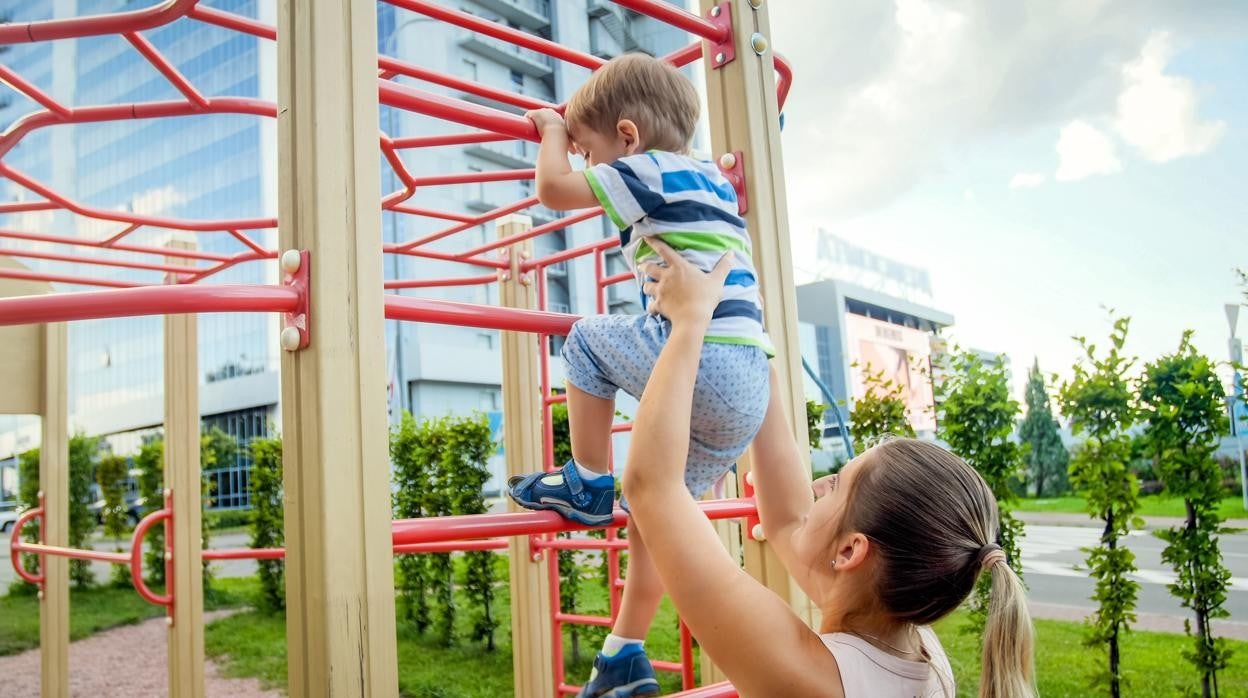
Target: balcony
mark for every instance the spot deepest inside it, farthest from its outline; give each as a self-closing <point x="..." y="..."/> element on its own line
<point x="513" y="155"/>
<point x="514" y="57"/>
<point x="530" y="14"/>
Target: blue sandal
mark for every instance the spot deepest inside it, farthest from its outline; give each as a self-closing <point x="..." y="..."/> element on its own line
<point x="588" y="502"/>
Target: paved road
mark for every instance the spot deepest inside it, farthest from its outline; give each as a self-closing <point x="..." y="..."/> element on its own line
<point x="1056" y="575"/>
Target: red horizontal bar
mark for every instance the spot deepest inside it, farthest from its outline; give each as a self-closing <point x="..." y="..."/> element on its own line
<point x="672" y="667"/>
<point x="616" y="279"/>
<point x="527" y="523"/>
<point x="621" y="427"/>
<point x="431" y="213"/>
<point x="72" y="553"/>
<point x="581" y="544"/>
<point x="23" y="206"/>
<point x="440" y="312"/>
<point x="396" y="67"/>
<point x="148" y="300"/>
<point x="95" y="25"/>
<point x="245" y="554"/>
<point x="441" y="283"/>
<point x="83" y="259"/>
<point x="29" y="275"/>
<point x="479" y="220"/>
<point x="500" y="31"/>
<point x="163" y="251"/>
<point x="672" y="14"/>
<point x="557" y="399"/>
<point x="457" y="110"/>
<point x="406" y="142"/>
<point x="446" y="257"/>
<point x="475" y="177"/>
<point x="538" y="231"/>
<point x="454" y="546"/>
<point x="600" y="621"/>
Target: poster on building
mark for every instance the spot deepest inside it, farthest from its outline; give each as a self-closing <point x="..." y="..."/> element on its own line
<point x="903" y="355"/>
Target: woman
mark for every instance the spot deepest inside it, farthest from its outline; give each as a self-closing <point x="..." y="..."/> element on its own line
<point x="895" y="543"/>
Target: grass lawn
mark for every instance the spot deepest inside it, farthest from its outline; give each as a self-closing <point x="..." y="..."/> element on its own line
<point x="253" y="644"/>
<point x="1152" y="662"/>
<point x="97" y="609"/>
<point x="1152" y="505"/>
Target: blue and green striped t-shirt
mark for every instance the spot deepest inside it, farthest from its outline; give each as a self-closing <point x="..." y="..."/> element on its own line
<point x="691" y="206"/>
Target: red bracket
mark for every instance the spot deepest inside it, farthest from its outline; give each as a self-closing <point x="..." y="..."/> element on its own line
<point x="724" y="52"/>
<point x="296" y="277"/>
<point x="731" y="164"/>
<point x="752" y="523"/>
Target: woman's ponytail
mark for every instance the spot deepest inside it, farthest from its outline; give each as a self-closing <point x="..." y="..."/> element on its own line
<point x="1009" y="664"/>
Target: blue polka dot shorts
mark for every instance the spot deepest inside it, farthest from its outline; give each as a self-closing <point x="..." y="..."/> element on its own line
<point x="607" y="353"/>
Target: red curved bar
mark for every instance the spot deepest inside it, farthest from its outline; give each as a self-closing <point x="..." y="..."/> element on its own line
<point x="681" y="19"/>
<point x="148" y="300"/>
<point x="96" y="25"/>
<point x="16" y="545"/>
<point x="784" y="79"/>
<point x="528" y="523"/>
<point x="136" y="559"/>
<point x="470" y="315"/>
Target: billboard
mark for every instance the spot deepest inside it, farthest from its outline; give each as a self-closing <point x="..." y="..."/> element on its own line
<point x="902" y="354"/>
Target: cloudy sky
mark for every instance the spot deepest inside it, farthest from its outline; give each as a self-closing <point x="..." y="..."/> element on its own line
<point x="1045" y="159"/>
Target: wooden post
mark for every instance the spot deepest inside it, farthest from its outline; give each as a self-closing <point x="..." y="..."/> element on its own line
<point x="340" y="625"/>
<point x="34" y="373"/>
<point x="741" y="99"/>
<point x="54" y="484"/>
<point x="182" y="479"/>
<point x="532" y="652"/>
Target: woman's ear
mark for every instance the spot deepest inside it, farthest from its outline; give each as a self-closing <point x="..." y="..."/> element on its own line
<point x="852" y="551"/>
<point x="629" y="137"/>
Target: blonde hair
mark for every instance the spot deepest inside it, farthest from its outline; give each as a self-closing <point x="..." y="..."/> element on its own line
<point x="934" y="524"/>
<point x="650" y="93"/>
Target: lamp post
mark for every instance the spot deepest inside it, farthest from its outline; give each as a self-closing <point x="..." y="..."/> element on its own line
<point x="1236" y="394"/>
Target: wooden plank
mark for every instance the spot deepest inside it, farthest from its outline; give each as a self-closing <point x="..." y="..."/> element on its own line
<point x="182" y="478"/>
<point x="21" y="350"/>
<point x="339" y="567"/>
<point x="531" y="636"/>
<point x="54" y="483"/>
<point x="741" y="98"/>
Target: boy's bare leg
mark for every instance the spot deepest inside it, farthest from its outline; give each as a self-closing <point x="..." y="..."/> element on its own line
<point x="589" y="424"/>
<point x="642" y="591"/>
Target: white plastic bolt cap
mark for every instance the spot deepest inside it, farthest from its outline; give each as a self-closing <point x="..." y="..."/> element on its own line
<point x="39" y="594"/>
<point x="168" y="555"/>
<point x="719" y="57"/>
<point x="169" y="621"/>
<point x="715" y="11"/>
<point x="290" y="338"/>
<point x="727" y="161"/>
<point x="757" y="532"/>
<point x="749" y="478"/>
<point x="759" y="43"/>
<point x="167" y="492"/>
<point x="291" y="260"/>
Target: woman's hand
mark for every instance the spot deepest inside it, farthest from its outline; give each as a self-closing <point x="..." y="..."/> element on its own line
<point x="683" y="293"/>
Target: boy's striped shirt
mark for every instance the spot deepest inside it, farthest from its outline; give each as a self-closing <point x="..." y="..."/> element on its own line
<point x="691" y="206"/>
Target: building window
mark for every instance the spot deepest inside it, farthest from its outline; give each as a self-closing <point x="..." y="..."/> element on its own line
<point x="470" y="70"/>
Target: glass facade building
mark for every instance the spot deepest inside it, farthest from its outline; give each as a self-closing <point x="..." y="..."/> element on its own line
<point x="224" y="166"/>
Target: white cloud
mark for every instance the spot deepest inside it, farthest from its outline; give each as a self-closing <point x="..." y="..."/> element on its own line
<point x="1027" y="180"/>
<point x="885" y="94"/>
<point x="1157" y="112"/>
<point x="1083" y="151"/>
<point x="157" y="200"/>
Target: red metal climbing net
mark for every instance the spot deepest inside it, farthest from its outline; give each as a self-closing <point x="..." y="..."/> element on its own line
<point x="179" y="291"/>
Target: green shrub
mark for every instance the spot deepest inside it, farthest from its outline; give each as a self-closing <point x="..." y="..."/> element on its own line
<point x="267" y="523"/>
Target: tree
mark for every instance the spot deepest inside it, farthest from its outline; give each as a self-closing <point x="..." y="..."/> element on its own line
<point x="110" y="475"/>
<point x="267" y="525"/>
<point x="880" y="412"/>
<point x="1047" y="458"/>
<point x="82" y="454"/>
<point x="977" y="418"/>
<point x="411" y="482"/>
<point x="814" y="422"/>
<point x="1182" y="405"/>
<point x="150" y="462"/>
<point x="217" y="449"/>
<point x="1100" y="402"/>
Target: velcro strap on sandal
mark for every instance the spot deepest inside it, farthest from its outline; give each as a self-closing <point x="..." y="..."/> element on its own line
<point x="575" y="484"/>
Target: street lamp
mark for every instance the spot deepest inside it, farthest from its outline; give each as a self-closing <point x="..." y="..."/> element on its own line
<point x="1236" y="394"/>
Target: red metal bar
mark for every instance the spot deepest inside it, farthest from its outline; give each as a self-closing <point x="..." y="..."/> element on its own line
<point x="538" y="231"/>
<point x="557" y="399"/>
<point x="441" y="283"/>
<point x="500" y="31"/>
<point x="581" y="544"/>
<point x="784" y="79"/>
<point x="556" y="619"/>
<point x="393" y="67"/>
<point x="715" y="690"/>
<point x="74" y="553"/>
<point x="403" y="143"/>
<point x="112" y="239"/>
<point x="446" y="257"/>
<point x="249" y="243"/>
<point x="686" y="657"/>
<point x="160" y="63"/>
<point x="245" y="554"/>
<point x="431" y="213"/>
<point x="162" y="251"/>
<point x="83" y="259"/>
<point x="672" y="14"/>
<point x="136" y="558"/>
<point x="15" y="546"/>
<point x="17" y="82"/>
<point x="600" y="621"/>
<point x="148" y="300"/>
<point x="616" y="279"/>
<point x="527" y="523"/>
<point x="441" y="312"/>
<point x="229" y="20"/>
<point x="572" y="253"/>
<point x="95" y="25"/>
<point x="453" y="546"/>
<point x="457" y="110"/>
<point x="475" y="177"/>
<point x="23" y="206"/>
<point x="63" y="279"/>
<point x="479" y="220"/>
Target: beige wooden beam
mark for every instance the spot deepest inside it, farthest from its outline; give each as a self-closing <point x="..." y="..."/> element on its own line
<point x="182" y="478"/>
<point x="532" y="657"/>
<point x="340" y="623"/>
<point x="741" y="98"/>
<point x="54" y="483"/>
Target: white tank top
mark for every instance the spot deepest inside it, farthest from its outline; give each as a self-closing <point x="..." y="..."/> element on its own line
<point x="868" y="671"/>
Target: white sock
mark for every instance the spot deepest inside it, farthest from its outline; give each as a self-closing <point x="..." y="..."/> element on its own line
<point x="614" y="643"/>
<point x="587" y="474"/>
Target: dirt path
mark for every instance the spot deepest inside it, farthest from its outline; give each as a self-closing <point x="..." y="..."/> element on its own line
<point x="111" y="664"/>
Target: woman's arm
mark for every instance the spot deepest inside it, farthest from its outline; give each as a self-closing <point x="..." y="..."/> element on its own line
<point x="762" y="646"/>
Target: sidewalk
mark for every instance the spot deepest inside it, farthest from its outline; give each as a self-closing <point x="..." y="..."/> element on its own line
<point x="1055" y="518"/>
<point x="1143" y="621"/>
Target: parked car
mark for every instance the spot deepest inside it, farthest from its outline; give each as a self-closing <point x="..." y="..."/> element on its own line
<point x="8" y="516"/>
<point x="131" y="500"/>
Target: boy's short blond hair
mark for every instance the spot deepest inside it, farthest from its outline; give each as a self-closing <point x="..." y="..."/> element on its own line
<point x="648" y="92"/>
